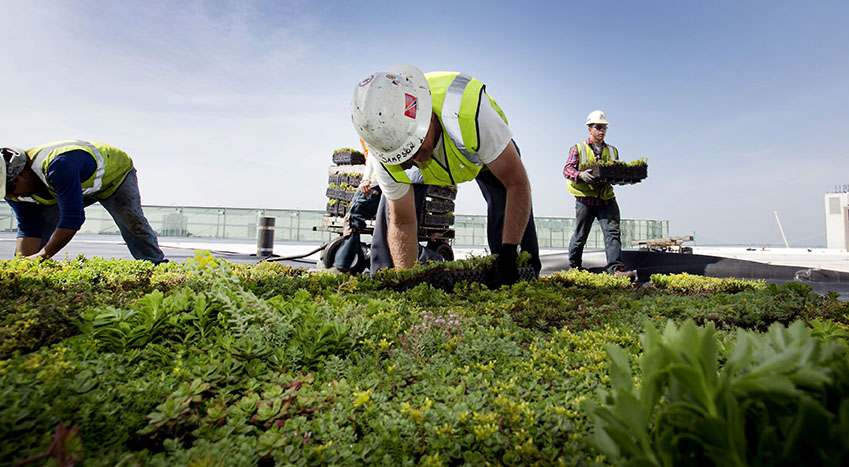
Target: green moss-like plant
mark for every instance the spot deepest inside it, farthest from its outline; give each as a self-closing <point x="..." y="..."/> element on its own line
<point x="352" y="151"/>
<point x="612" y="163"/>
<point x="203" y="360"/>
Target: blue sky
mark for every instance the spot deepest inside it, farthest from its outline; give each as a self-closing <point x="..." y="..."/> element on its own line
<point x="741" y="108"/>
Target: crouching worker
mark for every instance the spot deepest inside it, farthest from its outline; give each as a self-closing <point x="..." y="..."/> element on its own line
<point x="441" y="129"/>
<point x="49" y="186"/>
<point x="363" y="209"/>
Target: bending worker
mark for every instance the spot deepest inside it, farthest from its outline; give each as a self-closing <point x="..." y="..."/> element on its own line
<point x="363" y="209"/>
<point x="48" y="187"/>
<point x="592" y="200"/>
<point x="441" y="129"/>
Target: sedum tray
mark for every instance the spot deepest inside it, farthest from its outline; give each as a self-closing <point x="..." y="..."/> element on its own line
<point x="618" y="173"/>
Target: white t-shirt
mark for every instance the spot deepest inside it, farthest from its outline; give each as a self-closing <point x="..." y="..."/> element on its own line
<point x="494" y="137"/>
<point x="368" y="171"/>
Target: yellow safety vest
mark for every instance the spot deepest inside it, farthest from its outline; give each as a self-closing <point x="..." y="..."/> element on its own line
<point x="456" y="98"/>
<point x="586" y="155"/>
<point x="111" y="167"/>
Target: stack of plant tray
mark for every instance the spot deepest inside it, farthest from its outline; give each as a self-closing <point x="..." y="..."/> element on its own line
<point x="617" y="173"/>
<point x="439" y="206"/>
<point x="343" y="179"/>
<point x="348" y="156"/>
<point x="339" y="179"/>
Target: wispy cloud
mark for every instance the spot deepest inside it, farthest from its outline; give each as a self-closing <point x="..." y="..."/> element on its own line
<point x="240" y="103"/>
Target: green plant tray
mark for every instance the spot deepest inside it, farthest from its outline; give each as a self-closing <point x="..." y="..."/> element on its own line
<point x="348" y="158"/>
<point x="337" y="209"/>
<point x="445" y="279"/>
<point x="342" y="179"/>
<point x="618" y="174"/>
<point x="343" y="195"/>
<point x="438" y="206"/>
<point x="437" y="220"/>
<point x="448" y="192"/>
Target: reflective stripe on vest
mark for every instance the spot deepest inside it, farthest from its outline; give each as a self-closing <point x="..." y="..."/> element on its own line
<point x="112" y="166"/>
<point x="415" y="175"/>
<point x="451" y="116"/>
<point x="41" y="160"/>
<point x="586" y="155"/>
<point x="34" y="199"/>
<point x="456" y="100"/>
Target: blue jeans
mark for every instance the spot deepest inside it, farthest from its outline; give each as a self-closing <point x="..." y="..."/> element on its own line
<point x="608" y="220"/>
<point x="125" y="208"/>
<point x="363" y="208"/>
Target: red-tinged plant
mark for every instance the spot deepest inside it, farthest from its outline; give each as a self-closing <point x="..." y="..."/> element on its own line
<point x="65" y="450"/>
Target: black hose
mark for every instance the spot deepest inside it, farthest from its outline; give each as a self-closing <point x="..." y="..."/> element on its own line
<point x="218" y="252"/>
<point x="289" y="258"/>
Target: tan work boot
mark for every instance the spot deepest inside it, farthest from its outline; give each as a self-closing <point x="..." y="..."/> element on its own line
<point x="621" y="272"/>
<point x="346" y="225"/>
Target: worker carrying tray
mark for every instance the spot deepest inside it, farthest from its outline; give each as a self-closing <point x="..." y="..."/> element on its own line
<point x="617" y="172"/>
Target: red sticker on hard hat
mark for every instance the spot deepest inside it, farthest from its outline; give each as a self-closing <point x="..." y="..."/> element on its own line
<point x="366" y="81"/>
<point x="411" y="106"/>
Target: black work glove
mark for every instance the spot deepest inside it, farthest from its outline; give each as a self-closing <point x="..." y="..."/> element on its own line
<point x="505" y="271"/>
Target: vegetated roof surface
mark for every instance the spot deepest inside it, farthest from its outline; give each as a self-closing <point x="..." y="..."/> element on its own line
<point x="116" y="360"/>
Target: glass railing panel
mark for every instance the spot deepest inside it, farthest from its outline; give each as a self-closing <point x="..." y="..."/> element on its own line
<point x="297" y="225"/>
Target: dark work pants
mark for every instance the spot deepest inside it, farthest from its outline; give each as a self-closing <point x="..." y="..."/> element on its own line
<point x="496" y="200"/>
<point x="363" y="209"/>
<point x="608" y="220"/>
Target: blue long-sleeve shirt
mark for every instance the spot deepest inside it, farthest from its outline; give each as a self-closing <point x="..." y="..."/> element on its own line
<point x="65" y="173"/>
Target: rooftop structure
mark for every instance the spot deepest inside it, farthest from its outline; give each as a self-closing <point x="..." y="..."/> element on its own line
<point x="837" y="219"/>
<point x="297" y="225"/>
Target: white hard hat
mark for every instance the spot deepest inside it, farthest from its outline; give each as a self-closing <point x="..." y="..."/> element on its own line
<point x="14" y="162"/>
<point x="391" y="112"/>
<point x="597" y="116"/>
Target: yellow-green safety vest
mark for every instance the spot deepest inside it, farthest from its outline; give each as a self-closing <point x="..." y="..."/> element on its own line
<point x="586" y="155"/>
<point x="111" y="167"/>
<point x="456" y="98"/>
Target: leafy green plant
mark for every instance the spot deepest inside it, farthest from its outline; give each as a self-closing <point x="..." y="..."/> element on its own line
<point x="120" y="329"/>
<point x="42" y="300"/>
<point x="776" y="396"/>
<point x="315" y="336"/>
<point x="830" y="331"/>
<point x="578" y="278"/>
<point x="745" y="304"/>
<point x="280" y="365"/>
<point x="613" y="163"/>
<point x="688" y="283"/>
<point x="342" y="150"/>
<point x="66" y="448"/>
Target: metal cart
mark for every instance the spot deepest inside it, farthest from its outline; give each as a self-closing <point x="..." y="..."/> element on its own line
<point x="437" y="219"/>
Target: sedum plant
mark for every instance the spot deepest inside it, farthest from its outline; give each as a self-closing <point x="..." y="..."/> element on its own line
<point x="344" y="150"/>
<point x="611" y="163"/>
<point x="210" y="363"/>
<point x="689" y="283"/>
<point x="779" y="399"/>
